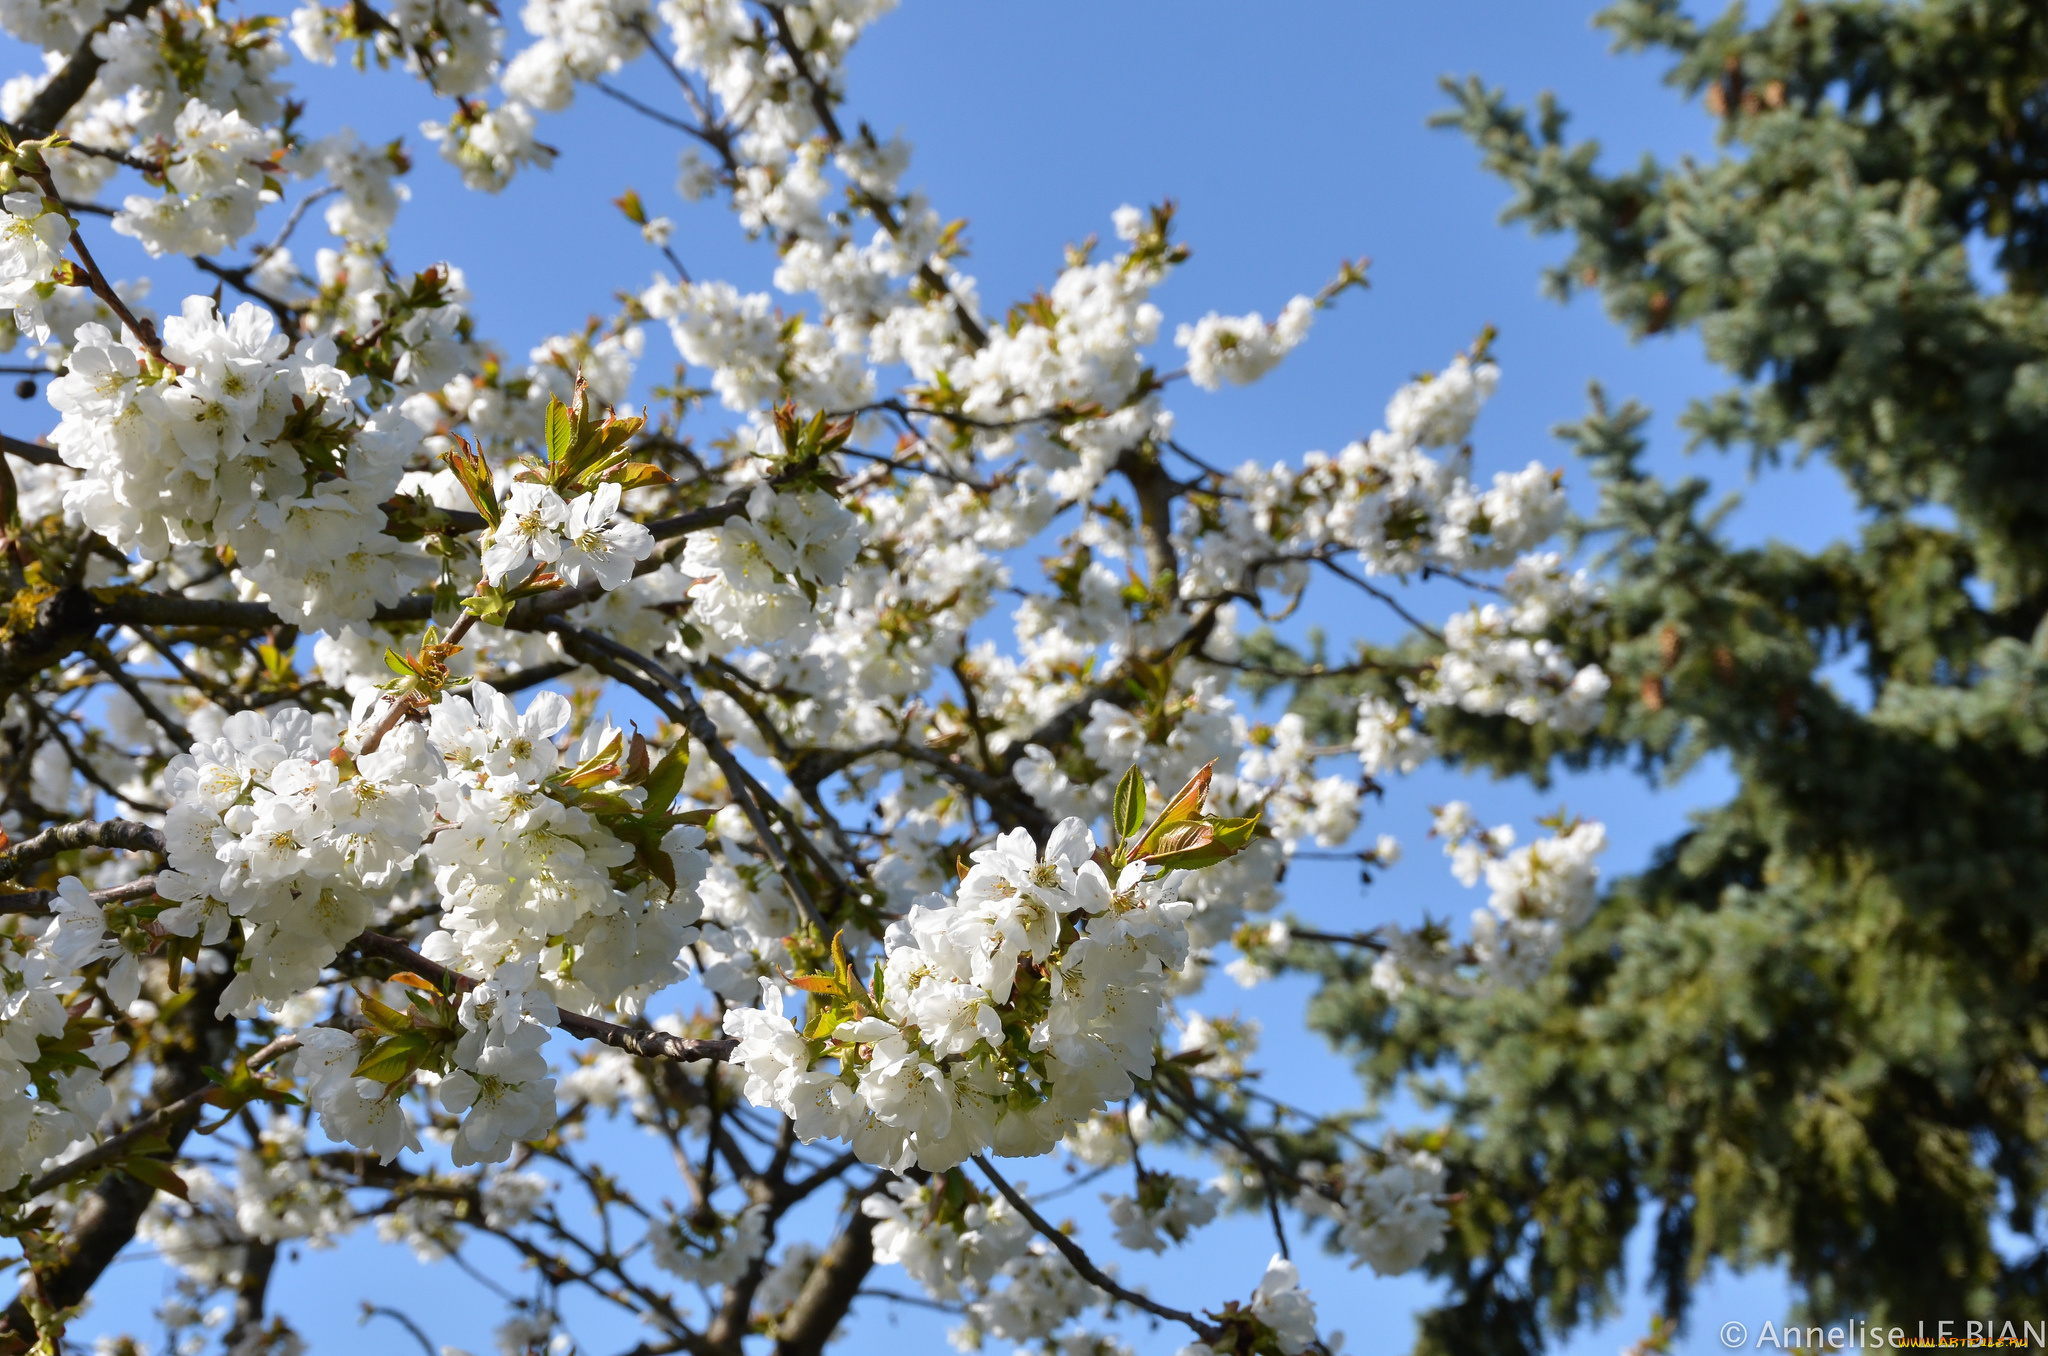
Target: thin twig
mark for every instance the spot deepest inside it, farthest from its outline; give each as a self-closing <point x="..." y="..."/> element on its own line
<point x="402" y="702"/>
<point x="104" y="290"/>
<point x="291" y="222"/>
<point x="37" y="903"/>
<point x="645" y="1043"/>
<point x="1403" y="613"/>
<point x="645" y="110"/>
<point x="1370" y="941"/>
<point x="898" y="1297"/>
<point x="1090" y="1273"/>
<point x="116" y="1146"/>
<point x="238" y="278"/>
<point x="371" y="1311"/>
<point x="699" y="723"/>
<point x="103" y="658"/>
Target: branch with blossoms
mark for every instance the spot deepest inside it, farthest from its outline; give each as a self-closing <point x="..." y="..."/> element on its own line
<point x="785" y="855"/>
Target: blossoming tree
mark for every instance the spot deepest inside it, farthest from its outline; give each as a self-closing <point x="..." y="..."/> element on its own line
<point x="845" y="774"/>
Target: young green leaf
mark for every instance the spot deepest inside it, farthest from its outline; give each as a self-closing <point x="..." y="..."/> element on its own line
<point x="1129" y="809"/>
<point x="561" y="433"/>
<point x="157" y="1175"/>
<point x="1185" y="805"/>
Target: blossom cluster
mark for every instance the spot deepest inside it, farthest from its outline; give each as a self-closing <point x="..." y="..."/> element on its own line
<point x="1538" y="894"/>
<point x="32" y="234"/>
<point x="244" y="444"/>
<point x="1389" y="1216"/>
<point x="288" y="830"/>
<point x="1498" y="660"/>
<point x="966" y="1246"/>
<point x="759" y="576"/>
<point x="1241" y="349"/>
<point x="1282" y="1307"/>
<point x="527" y="873"/>
<point x="998" y="1020"/>
<point x="1166" y="1209"/>
<point x="452" y="44"/>
<point x="264" y="828"/>
<point x="1384" y="499"/>
<point x="215" y="181"/>
<point x="582" y="539"/>
<point x="40" y="984"/>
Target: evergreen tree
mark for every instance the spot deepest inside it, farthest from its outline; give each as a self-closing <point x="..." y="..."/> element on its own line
<point x="1811" y="1035"/>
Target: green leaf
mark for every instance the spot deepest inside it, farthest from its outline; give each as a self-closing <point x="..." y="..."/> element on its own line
<point x="474" y="474"/>
<point x="492" y="606"/>
<point x="1128" y="816"/>
<point x="1199" y="843"/>
<point x="665" y="782"/>
<point x="849" y="982"/>
<point x="1185" y="805"/>
<point x="1235" y="833"/>
<point x="383" y="1016"/>
<point x="604" y="803"/>
<point x="634" y="474"/>
<point x="393" y="1057"/>
<point x="561" y="433"/>
<point x="828" y="1020"/>
<point x="156" y="1174"/>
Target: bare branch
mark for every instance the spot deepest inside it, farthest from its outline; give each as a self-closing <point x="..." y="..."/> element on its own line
<point x="238" y="278"/>
<point x="37" y="903"/>
<point x="699" y="723"/>
<point x="180" y="737"/>
<point x="371" y="1311"/>
<point x="37" y="453"/>
<point x="830" y="1289"/>
<point x="111" y="833"/>
<point x="1089" y="1271"/>
<point x="1389" y="599"/>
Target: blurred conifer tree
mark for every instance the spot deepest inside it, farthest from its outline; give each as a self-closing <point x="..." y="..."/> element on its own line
<point x="1812" y="1034"/>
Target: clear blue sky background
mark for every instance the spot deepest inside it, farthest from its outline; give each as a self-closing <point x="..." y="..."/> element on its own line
<point x="1292" y="135"/>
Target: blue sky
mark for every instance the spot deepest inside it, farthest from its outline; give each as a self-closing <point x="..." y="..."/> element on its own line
<point x="1292" y="135"/>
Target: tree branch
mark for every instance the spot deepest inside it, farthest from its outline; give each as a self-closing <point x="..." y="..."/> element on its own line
<point x="647" y="1044"/>
<point x="111" y="833"/>
<point x="1079" y="1259"/>
<point x="103" y="658"/>
<point x="37" y="903"/>
<point x="39" y="454"/>
<point x="116" y="1146"/>
<point x="371" y="1311"/>
<point x="70" y="83"/>
<point x="830" y="1289"/>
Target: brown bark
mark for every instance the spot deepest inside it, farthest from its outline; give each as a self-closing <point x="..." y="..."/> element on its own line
<point x="257" y="1261"/>
<point x="1154" y="490"/>
<point x="829" y="1291"/>
<point x="71" y="82"/>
